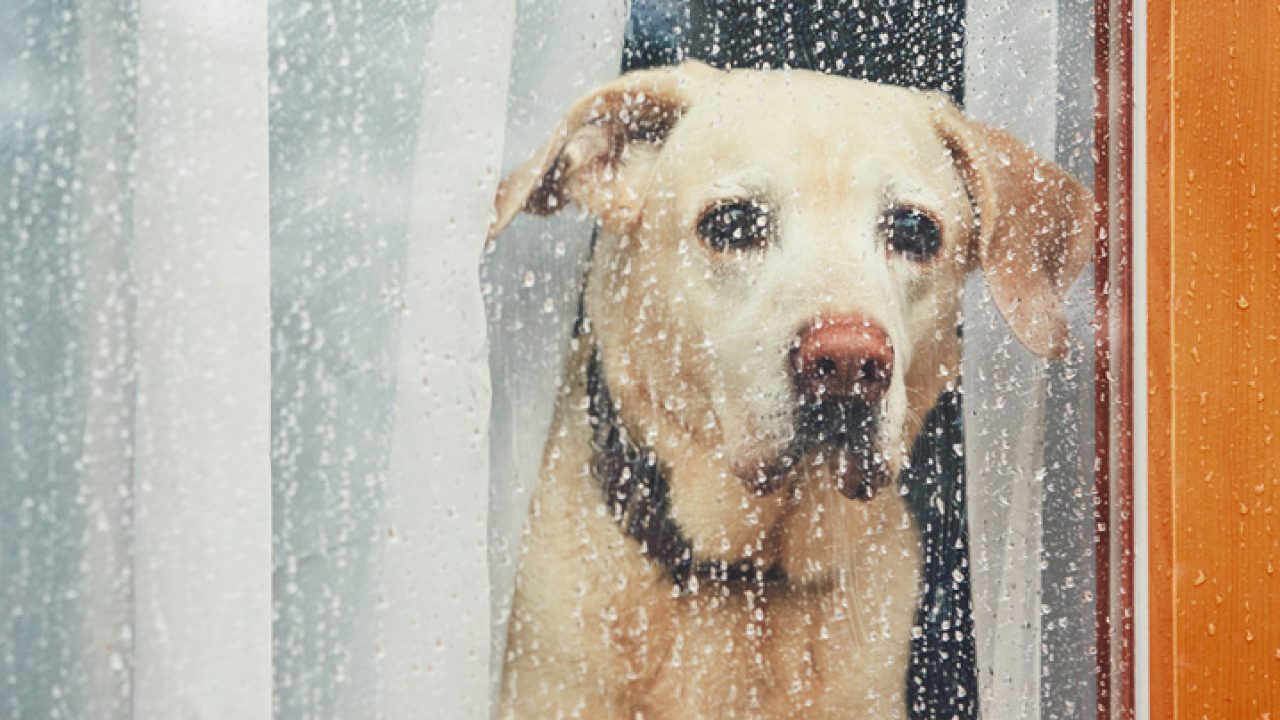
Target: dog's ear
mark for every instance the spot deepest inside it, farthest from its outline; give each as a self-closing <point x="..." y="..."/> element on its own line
<point x="587" y="159"/>
<point x="1035" y="226"/>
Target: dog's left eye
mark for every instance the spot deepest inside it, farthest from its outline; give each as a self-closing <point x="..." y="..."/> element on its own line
<point x="735" y="225"/>
<point x="912" y="233"/>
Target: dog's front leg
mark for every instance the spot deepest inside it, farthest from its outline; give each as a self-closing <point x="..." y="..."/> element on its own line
<point x="562" y="659"/>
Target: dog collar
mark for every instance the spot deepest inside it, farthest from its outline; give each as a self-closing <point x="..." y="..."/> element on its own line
<point x="634" y="483"/>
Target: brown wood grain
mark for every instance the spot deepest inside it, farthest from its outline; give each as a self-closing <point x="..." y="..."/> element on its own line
<point x="1113" y="377"/>
<point x="1214" y="336"/>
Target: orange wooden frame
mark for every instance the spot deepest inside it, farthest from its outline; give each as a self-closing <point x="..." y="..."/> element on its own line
<point x="1213" y="126"/>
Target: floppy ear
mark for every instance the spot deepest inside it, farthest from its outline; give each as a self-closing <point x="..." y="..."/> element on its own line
<point x="594" y="157"/>
<point x="1035" y="227"/>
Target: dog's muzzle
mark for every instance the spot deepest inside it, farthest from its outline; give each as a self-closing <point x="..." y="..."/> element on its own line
<point x="842" y="368"/>
<point x="840" y="435"/>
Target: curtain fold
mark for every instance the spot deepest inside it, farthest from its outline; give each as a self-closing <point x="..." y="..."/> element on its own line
<point x="1028" y="423"/>
<point x="134" y="485"/>
<point x="105" y="197"/>
<point x="346" y="105"/>
<point x="433" y="631"/>
<point x="201" y="478"/>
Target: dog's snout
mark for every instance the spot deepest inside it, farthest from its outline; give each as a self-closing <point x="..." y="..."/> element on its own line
<point x="844" y="358"/>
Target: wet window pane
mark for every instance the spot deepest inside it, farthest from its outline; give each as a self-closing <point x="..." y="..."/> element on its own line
<point x="662" y="359"/>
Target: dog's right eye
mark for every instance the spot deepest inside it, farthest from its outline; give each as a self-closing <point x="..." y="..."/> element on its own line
<point x="735" y="225"/>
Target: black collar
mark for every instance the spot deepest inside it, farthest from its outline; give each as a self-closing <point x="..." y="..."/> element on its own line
<point x="635" y="488"/>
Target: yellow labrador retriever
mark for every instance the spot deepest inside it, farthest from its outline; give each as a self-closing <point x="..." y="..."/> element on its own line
<point x="771" y="309"/>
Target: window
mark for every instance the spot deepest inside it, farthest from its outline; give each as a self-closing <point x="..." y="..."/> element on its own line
<point x="738" y="400"/>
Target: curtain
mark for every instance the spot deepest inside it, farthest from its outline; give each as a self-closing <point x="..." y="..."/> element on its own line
<point x="1029" y="424"/>
<point x="134" y="476"/>
<point x="388" y="125"/>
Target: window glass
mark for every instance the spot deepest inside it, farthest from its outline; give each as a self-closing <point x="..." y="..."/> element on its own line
<point x="647" y="358"/>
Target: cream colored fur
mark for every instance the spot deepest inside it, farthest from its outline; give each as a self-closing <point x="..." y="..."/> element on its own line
<point x="693" y="344"/>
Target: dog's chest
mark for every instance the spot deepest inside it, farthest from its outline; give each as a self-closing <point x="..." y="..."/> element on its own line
<point x="770" y="656"/>
<point x="598" y="625"/>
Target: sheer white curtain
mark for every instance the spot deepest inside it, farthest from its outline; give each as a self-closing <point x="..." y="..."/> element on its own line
<point x="138" y="174"/>
<point x="1029" y="425"/>
<point x="200" y="256"/>
<point x="388" y="136"/>
<point x="134" y="473"/>
<point x="433" y="621"/>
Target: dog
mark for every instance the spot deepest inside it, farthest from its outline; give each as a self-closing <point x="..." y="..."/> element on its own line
<point x="771" y="308"/>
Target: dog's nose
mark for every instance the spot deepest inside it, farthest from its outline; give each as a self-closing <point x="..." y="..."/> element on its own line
<point x="843" y="358"/>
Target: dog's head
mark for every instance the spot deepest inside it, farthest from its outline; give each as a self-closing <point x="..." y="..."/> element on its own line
<point x="776" y="290"/>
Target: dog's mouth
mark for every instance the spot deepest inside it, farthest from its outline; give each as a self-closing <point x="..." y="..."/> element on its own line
<point x="837" y="435"/>
<point x="833" y="444"/>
